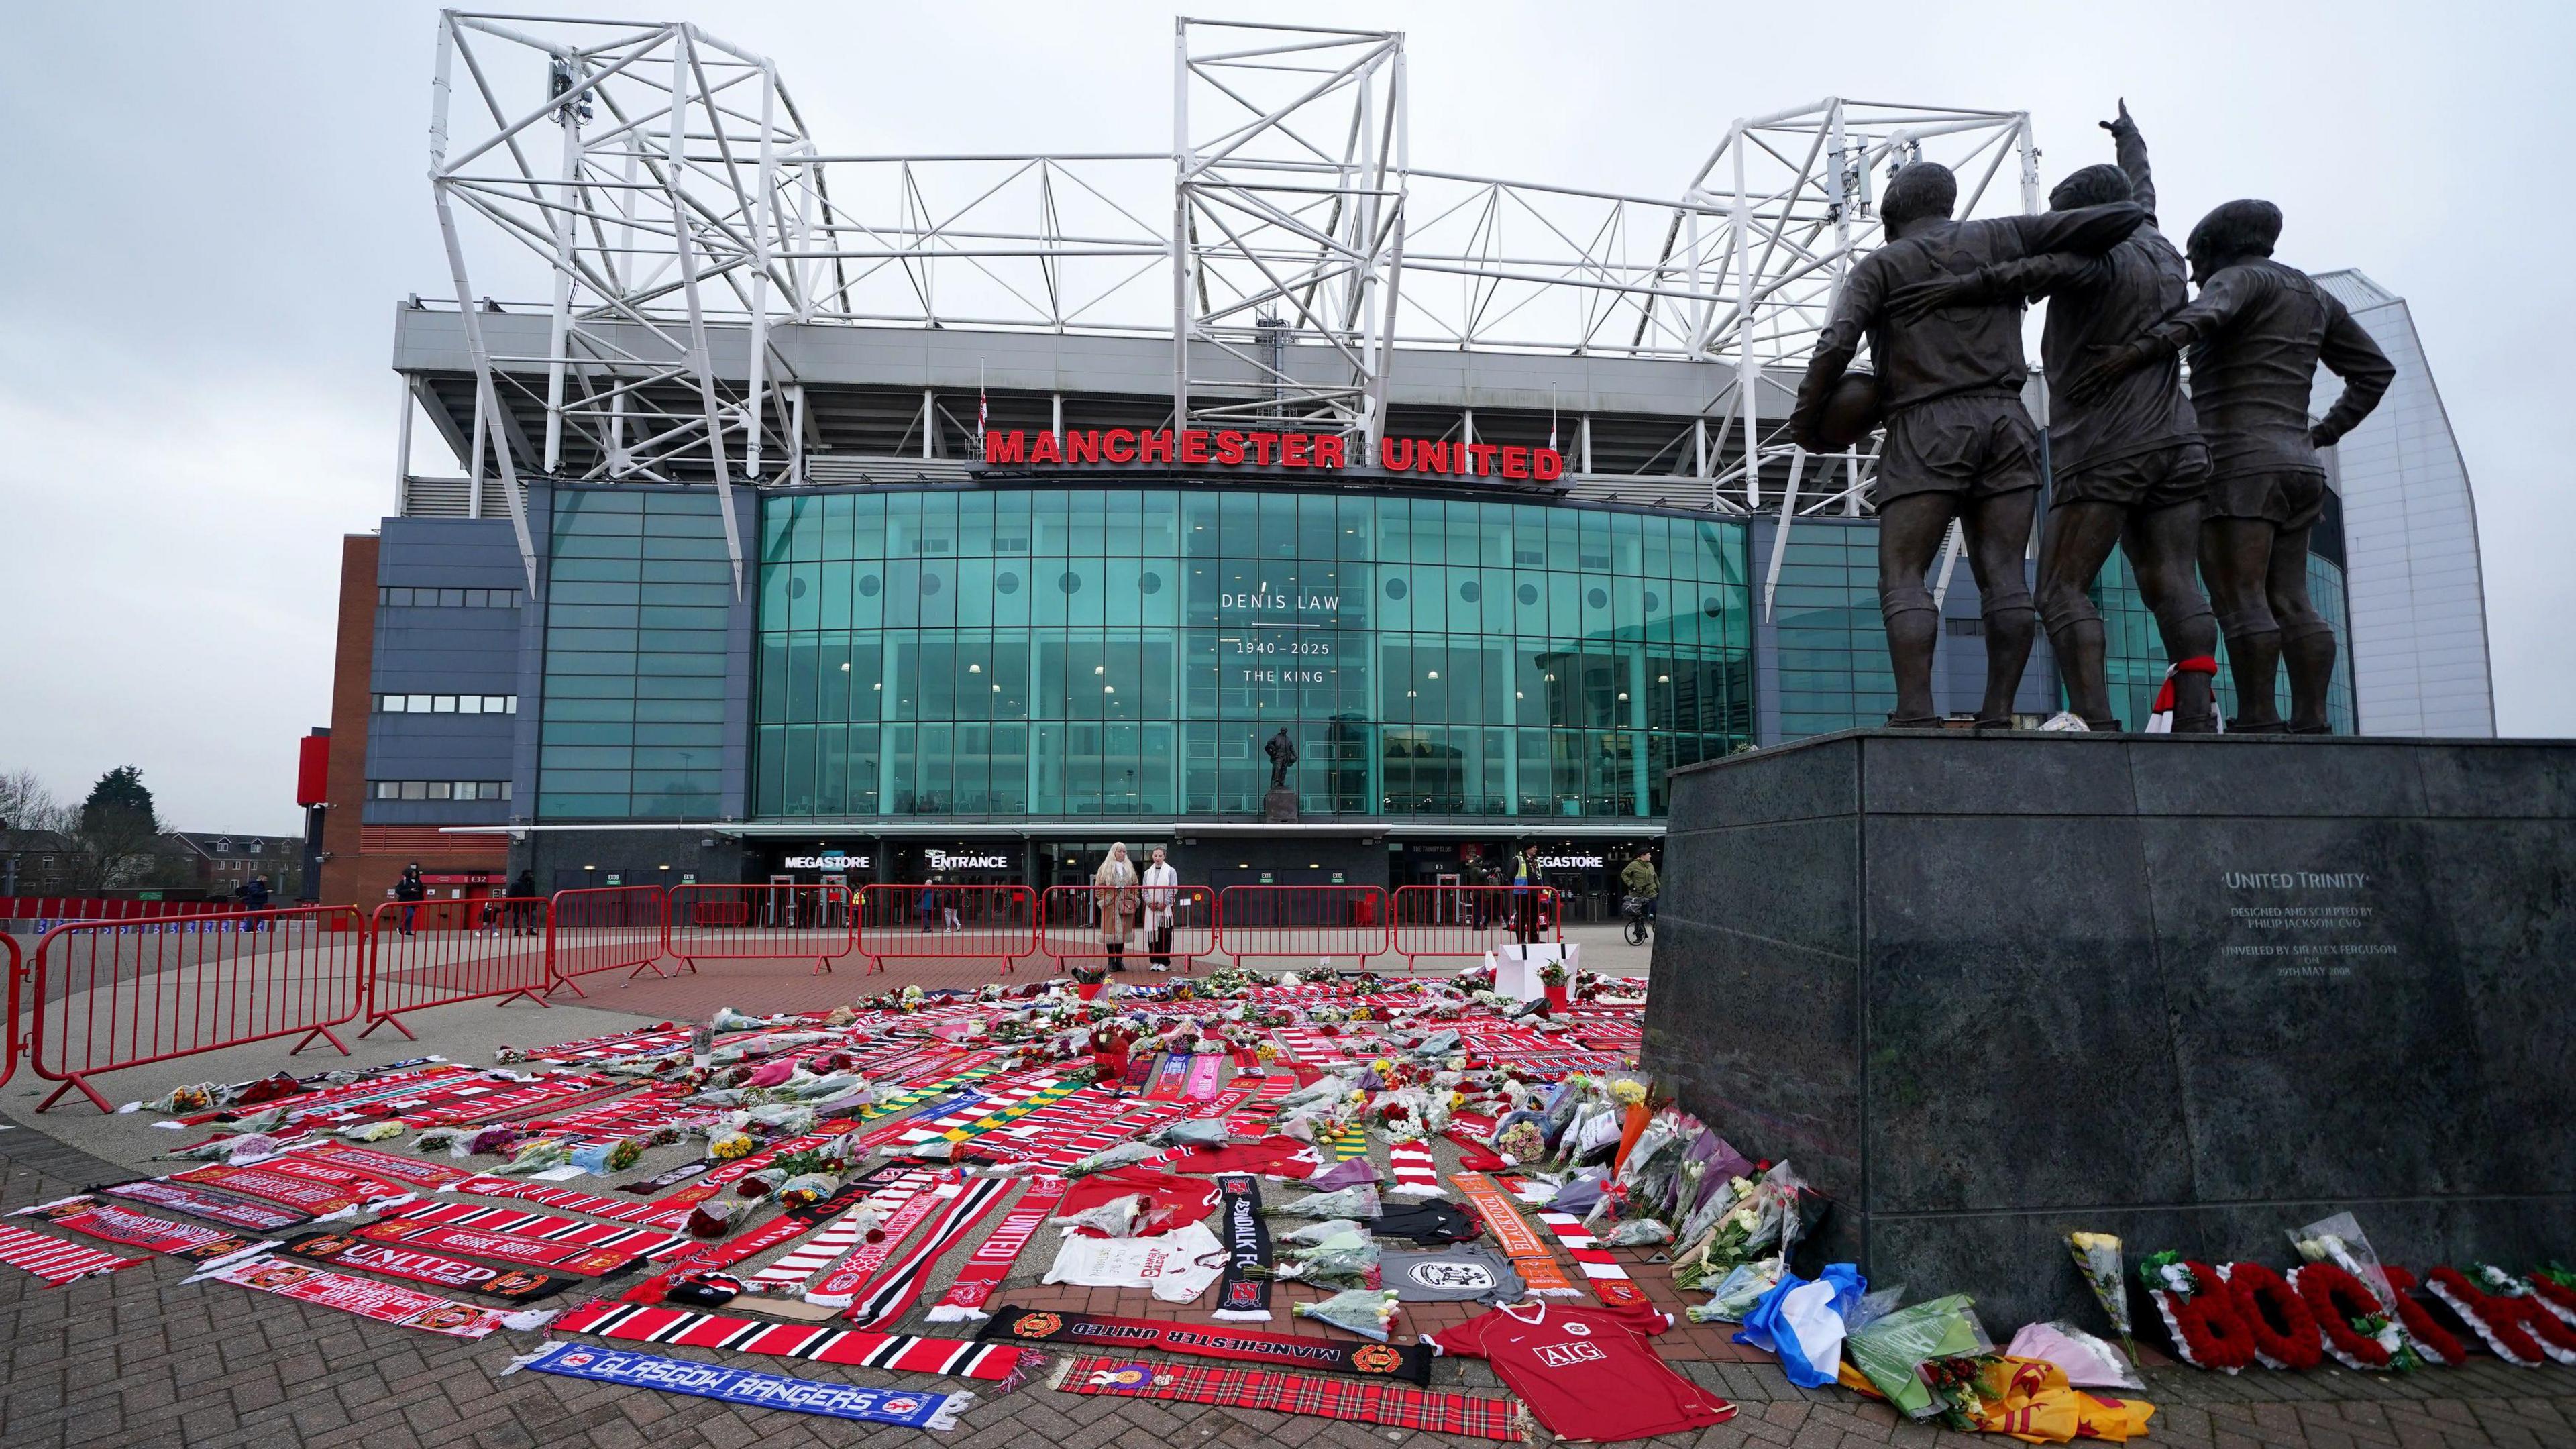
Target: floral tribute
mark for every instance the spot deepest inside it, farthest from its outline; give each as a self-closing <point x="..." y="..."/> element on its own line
<point x="2209" y="1330"/>
<point x="2506" y="1313"/>
<point x="2432" y="1342"/>
<point x="2358" y="1331"/>
<point x="2284" y="1330"/>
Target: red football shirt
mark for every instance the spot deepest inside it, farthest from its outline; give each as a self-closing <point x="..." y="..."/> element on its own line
<point x="1585" y="1374"/>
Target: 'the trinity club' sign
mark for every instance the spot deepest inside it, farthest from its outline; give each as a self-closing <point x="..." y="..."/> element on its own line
<point x="1230" y="448"/>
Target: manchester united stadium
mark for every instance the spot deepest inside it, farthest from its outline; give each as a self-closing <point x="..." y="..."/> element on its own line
<point x="766" y="511"/>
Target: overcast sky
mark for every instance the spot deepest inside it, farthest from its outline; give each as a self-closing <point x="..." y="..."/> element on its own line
<point x="210" y="212"/>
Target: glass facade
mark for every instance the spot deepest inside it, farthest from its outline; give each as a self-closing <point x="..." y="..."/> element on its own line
<point x="1831" y="640"/>
<point x="637" y="596"/>
<point x="1126" y="652"/>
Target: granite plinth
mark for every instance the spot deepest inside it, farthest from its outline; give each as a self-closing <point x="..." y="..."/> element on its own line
<point x="1279" y="807"/>
<point x="1986" y="989"/>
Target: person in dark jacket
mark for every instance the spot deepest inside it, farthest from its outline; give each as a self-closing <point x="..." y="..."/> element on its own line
<point x="1529" y="888"/>
<point x="523" y="904"/>
<point x="410" y="890"/>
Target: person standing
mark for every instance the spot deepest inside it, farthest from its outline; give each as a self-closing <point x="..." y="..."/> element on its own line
<point x="1116" y="891"/>
<point x="1162" y="898"/>
<point x="411" y="890"/>
<point x="1641" y="882"/>
<point x="928" y="907"/>
<point x="1480" y="882"/>
<point x="523" y="904"/>
<point x="254" y="897"/>
<point x="1529" y="884"/>
<point x="951" y="896"/>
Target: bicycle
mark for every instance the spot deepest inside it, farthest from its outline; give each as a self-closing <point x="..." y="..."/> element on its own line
<point x="1641" y="919"/>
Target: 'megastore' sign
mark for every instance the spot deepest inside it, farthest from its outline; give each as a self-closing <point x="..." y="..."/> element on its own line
<point x="1232" y="448"/>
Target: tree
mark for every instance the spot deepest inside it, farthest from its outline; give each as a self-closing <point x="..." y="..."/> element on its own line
<point x="120" y="793"/>
<point x="115" y="838"/>
<point x="25" y="803"/>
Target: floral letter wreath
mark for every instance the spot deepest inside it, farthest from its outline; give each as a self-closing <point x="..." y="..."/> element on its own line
<point x="2285" y="1333"/>
<point x="2336" y="1298"/>
<point x="2201" y="1314"/>
<point x="2557" y="1297"/>
<point x="2520" y="1330"/>
<point x="2434" y="1343"/>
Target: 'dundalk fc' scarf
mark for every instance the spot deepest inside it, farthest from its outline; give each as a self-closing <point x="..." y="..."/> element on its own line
<point x="1243" y="1296"/>
<point x="1279" y="1350"/>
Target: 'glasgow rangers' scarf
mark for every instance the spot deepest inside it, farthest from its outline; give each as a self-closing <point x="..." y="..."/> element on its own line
<point x="516" y="1285"/>
<point x="858" y="1348"/>
<point x="745" y="1386"/>
<point x="991" y="1261"/>
<point x="1243" y="1296"/>
<point x="1281" y="1350"/>
<point x="112" y="1224"/>
<point x="1437" y="1411"/>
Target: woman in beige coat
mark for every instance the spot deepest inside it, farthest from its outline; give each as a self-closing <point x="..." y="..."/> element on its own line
<point x="1116" y="892"/>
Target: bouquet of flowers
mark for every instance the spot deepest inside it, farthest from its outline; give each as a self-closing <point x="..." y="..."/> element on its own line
<point x="1368" y="1312"/>
<point x="2097" y="1257"/>
<point x="1961" y="1384"/>
<point x="1888" y="1350"/>
<point x="1741" y="1288"/>
<point x="1347" y="1259"/>
<point x="1349" y="1202"/>
<point x="1552" y="973"/>
<point x="1764" y="1222"/>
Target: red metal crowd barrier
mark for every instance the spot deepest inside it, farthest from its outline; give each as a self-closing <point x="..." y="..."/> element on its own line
<point x="1302" y="922"/>
<point x="109" y="995"/>
<point x="434" y="953"/>
<point x="10" y="1032"/>
<point x="1465" y="920"/>
<point x="760" y="923"/>
<point x="605" y="928"/>
<point x="938" y="921"/>
<point x="1168" y="924"/>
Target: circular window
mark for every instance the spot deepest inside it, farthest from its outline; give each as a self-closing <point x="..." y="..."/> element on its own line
<point x="1654" y="601"/>
<point x="930" y="583"/>
<point x="868" y="585"/>
<point x="1069" y="581"/>
<point x="1711" y="607"/>
<point x="1470" y="591"/>
<point x="1395" y="588"/>
<point x="795" y="588"/>
<point x="1528" y="593"/>
<point x="1598" y="598"/>
<point x="1008" y="583"/>
<point x="1149" y="583"/>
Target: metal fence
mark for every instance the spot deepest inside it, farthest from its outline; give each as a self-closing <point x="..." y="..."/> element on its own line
<point x="1302" y="923"/>
<point x="760" y="923"/>
<point x="606" y="928"/>
<point x="10" y="1033"/>
<point x="937" y="921"/>
<point x="422" y="954"/>
<point x="1168" y="925"/>
<point x="110" y="995"/>
<point x="1441" y="920"/>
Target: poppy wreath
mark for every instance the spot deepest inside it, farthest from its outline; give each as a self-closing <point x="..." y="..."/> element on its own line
<point x="2559" y="1298"/>
<point x="2200" y="1312"/>
<point x="2335" y="1298"/>
<point x="2516" y="1326"/>
<point x="2285" y="1332"/>
<point x="2433" y="1343"/>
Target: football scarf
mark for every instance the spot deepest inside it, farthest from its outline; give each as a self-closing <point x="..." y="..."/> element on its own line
<point x="1343" y="1143"/>
<point x="1203" y="1074"/>
<point x="383" y="1302"/>
<point x="349" y="1181"/>
<point x="570" y="1200"/>
<point x="791" y="1273"/>
<point x="1245" y="1345"/>
<point x="54" y="1260"/>
<point x="1610" y="1282"/>
<point x="282" y="1188"/>
<point x="431" y="1175"/>
<point x="1035" y="1100"/>
<point x="340" y="1099"/>
<point x="991" y="1261"/>
<point x="747" y="1387"/>
<point x="516" y="1285"/>
<point x="1220" y="1104"/>
<point x="509" y="1248"/>
<point x="1415" y="1173"/>
<point x="1530" y="1257"/>
<point x="899" y="1287"/>
<point x="112" y="1224"/>
<point x="1436" y="1411"/>
<point x="1243" y="1295"/>
<point x="853" y="1347"/>
<point x="214" y="1207"/>
<point x="841" y="1286"/>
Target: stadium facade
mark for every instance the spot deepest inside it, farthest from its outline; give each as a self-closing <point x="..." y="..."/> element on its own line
<point x="844" y="531"/>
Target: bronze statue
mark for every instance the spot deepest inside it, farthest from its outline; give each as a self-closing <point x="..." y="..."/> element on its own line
<point x="1283" y="753"/>
<point x="2127" y="468"/>
<point x="1959" y="444"/>
<point x="2256" y="334"/>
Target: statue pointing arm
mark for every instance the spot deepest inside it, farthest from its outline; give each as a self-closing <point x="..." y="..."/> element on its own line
<point x="2131" y="149"/>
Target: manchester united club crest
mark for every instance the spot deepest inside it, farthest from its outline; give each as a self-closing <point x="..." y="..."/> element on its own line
<point x="1375" y="1358"/>
<point x="1036" y="1325"/>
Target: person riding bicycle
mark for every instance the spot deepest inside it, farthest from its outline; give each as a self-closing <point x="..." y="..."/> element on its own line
<point x="1641" y="883"/>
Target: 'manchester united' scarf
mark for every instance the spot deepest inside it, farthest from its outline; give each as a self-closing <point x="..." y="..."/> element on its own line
<point x="387" y="1165"/>
<point x="991" y="1261"/>
<point x="747" y="1386"/>
<point x="899" y="1287"/>
<point x="508" y="1248"/>
<point x="1243" y="1296"/>
<point x="1530" y="1257"/>
<point x="112" y="1224"/>
<point x="855" y="1347"/>
<point x="1244" y="1345"/>
<point x="277" y="1187"/>
<point x="515" y="1285"/>
<point x="214" y="1207"/>
<point x="1431" y="1410"/>
<point x="54" y="1260"/>
<point x="383" y="1302"/>
<point x="842" y="1284"/>
<point x="792" y="1273"/>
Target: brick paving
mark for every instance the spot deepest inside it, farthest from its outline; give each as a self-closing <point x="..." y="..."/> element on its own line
<point x="134" y="1358"/>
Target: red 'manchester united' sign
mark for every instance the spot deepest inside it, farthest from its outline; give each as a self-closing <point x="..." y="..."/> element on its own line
<point x="1230" y="448"/>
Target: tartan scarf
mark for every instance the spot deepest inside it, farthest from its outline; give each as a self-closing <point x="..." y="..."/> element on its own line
<point x="1243" y="1295"/>
<point x="1431" y="1410"/>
